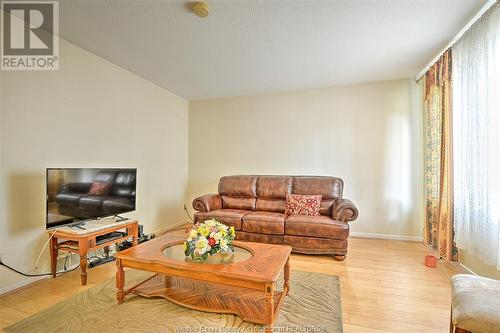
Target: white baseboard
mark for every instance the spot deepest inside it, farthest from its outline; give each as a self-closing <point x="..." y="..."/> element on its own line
<point x="385" y="236"/>
<point x="465" y="268"/>
<point x="21" y="283"/>
<point x="170" y="227"/>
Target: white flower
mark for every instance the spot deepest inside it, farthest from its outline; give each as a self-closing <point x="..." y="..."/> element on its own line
<point x="211" y="222"/>
<point x="217" y="237"/>
<point x="223" y="244"/>
<point x="192" y="234"/>
<point x="201" y="243"/>
<point x="202" y="246"/>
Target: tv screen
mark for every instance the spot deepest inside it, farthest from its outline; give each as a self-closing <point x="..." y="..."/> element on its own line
<point x="74" y="195"/>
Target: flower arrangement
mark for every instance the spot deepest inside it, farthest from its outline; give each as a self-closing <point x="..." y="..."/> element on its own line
<point x="207" y="239"/>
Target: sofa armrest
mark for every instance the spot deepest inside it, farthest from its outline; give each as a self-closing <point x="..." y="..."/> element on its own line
<point x="207" y="202"/>
<point x="344" y="210"/>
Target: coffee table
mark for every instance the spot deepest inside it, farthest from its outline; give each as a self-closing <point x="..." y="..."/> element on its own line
<point x="245" y="286"/>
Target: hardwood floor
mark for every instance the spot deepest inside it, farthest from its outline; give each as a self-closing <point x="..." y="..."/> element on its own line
<point x="385" y="288"/>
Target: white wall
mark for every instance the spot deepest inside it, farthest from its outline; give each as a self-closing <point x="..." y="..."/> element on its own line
<point x="370" y="135"/>
<point x="90" y="113"/>
<point x="473" y="263"/>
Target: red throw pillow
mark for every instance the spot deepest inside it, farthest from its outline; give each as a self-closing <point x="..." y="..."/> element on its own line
<point x="303" y="204"/>
<point x="99" y="188"/>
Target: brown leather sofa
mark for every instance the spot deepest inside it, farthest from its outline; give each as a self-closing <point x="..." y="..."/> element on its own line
<point x="255" y="206"/>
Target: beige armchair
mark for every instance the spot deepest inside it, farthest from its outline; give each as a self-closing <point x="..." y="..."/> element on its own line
<point x="475" y="305"/>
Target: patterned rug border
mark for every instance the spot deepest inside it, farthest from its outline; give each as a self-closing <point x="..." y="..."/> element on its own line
<point x="32" y="324"/>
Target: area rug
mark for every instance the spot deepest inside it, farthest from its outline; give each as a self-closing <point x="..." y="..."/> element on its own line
<point x="313" y="305"/>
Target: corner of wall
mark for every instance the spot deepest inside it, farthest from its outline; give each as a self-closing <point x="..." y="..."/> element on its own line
<point x="417" y="134"/>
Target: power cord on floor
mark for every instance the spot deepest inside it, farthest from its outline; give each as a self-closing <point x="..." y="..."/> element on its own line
<point x="444" y="269"/>
<point x="33" y="275"/>
<point x="66" y="260"/>
<point x="440" y="259"/>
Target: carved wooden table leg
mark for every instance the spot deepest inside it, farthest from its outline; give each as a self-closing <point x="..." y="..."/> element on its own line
<point x="120" y="282"/>
<point x="134" y="230"/>
<point x="269" y="307"/>
<point x="53" y="256"/>
<point x="287" y="276"/>
<point x="83" y="267"/>
<point x="83" y="249"/>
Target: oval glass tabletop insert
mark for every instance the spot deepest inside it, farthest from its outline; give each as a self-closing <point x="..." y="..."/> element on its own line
<point x="176" y="252"/>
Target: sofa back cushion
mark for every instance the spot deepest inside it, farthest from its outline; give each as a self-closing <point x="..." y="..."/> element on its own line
<point x="238" y="203"/>
<point x="124" y="185"/>
<point x="105" y="176"/>
<point x="238" y="192"/>
<point x="271" y="193"/>
<point x="268" y="193"/>
<point x="330" y="189"/>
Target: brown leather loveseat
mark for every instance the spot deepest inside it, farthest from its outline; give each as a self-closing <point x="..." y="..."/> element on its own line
<point x="255" y="206"/>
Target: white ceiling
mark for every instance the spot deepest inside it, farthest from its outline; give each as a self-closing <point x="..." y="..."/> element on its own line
<point x="249" y="47"/>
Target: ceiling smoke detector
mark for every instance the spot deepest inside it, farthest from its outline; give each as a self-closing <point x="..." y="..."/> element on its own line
<point x="201" y="8"/>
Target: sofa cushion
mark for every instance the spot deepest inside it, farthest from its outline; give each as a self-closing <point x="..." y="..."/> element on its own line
<point x="271" y="205"/>
<point x="328" y="187"/>
<point x="316" y="226"/>
<point x="274" y="187"/>
<point x="314" y="245"/>
<point x="260" y="238"/>
<point x="238" y="203"/>
<point x="105" y="176"/>
<point x="230" y="217"/>
<point x="264" y="223"/>
<point x="238" y="186"/>
<point x="117" y="204"/>
<point x="326" y="207"/>
<point x="69" y="199"/>
<point x="92" y="201"/>
<point x="302" y="204"/>
<point x="124" y="185"/>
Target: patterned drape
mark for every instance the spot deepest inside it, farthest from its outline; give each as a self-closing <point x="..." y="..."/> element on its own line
<point x="438" y="227"/>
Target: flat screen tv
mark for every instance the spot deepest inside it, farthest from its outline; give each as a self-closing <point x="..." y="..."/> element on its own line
<point x="78" y="194"/>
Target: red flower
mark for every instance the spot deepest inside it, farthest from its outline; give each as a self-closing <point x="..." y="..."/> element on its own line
<point x="211" y="241"/>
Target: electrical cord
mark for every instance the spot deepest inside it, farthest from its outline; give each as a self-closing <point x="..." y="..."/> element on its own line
<point x="41" y="274"/>
<point x="66" y="260"/>
<point x="43" y="248"/>
<point x="95" y="256"/>
<point x="440" y="259"/>
<point x="188" y="215"/>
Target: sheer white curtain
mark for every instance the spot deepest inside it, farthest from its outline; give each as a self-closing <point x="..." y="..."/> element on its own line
<point x="476" y="138"/>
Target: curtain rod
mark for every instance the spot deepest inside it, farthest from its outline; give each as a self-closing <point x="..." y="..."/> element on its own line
<point x="455" y="39"/>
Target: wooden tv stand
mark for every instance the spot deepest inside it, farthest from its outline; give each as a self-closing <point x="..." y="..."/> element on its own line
<point x="82" y="241"/>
